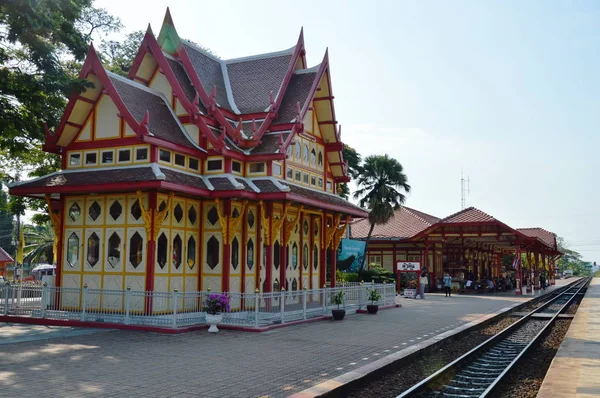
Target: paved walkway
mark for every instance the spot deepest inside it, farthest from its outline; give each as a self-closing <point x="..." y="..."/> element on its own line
<point x="231" y="364"/>
<point x="574" y="372"/>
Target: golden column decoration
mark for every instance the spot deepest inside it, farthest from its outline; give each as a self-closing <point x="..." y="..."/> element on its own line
<point x="279" y="222"/>
<point x="234" y="222"/>
<point x="290" y="225"/>
<point x="339" y="234"/>
<point x="265" y="222"/>
<point x="330" y="231"/>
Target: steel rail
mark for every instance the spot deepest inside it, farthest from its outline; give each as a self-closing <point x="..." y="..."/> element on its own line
<point x="425" y="384"/>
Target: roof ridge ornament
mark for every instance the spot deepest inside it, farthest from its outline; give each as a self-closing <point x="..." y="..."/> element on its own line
<point x="196" y="105"/>
<point x="143" y="126"/>
<point x="51" y="139"/>
<point x="272" y="108"/>
<point x="299" y="122"/>
<point x="281" y="143"/>
<point x="212" y="105"/>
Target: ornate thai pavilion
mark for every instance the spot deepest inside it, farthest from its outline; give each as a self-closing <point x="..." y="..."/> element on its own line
<point x="195" y="172"/>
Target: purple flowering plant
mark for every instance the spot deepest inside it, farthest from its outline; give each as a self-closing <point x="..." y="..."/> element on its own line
<point x="216" y="303"/>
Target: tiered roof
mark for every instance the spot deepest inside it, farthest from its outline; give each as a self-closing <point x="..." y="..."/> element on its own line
<point x="247" y="108"/>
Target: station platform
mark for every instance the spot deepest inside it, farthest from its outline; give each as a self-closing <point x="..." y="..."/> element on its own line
<point x="303" y="360"/>
<point x="574" y="372"/>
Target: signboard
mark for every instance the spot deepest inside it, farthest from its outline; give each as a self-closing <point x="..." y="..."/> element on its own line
<point x="408" y="266"/>
<point x="350" y="254"/>
<point x="410" y="293"/>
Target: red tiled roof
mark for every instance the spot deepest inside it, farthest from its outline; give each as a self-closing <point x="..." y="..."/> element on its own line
<point x="470" y="214"/>
<point x="406" y="223"/>
<point x="5" y="257"/>
<point x="547" y="237"/>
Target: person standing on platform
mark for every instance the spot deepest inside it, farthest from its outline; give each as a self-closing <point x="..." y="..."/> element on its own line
<point x="543" y="281"/>
<point x="448" y="284"/>
<point x="423" y="281"/>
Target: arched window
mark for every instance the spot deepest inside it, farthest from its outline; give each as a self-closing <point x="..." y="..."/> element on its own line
<point x="320" y="157"/>
<point x="305" y="153"/>
<point x="235" y="253"/>
<point x="313" y="156"/>
<point x="162" y="249"/>
<point x="298" y="150"/>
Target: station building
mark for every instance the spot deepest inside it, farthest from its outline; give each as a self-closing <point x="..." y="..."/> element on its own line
<point x="469" y="241"/>
<point x="194" y="172"/>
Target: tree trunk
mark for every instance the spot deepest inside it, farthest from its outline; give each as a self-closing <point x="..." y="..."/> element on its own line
<point x="362" y="265"/>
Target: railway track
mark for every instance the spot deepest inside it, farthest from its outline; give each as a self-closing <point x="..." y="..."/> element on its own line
<point x="476" y="373"/>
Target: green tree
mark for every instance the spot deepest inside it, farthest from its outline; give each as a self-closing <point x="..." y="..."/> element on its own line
<point x="36" y="37"/>
<point x="381" y="183"/>
<point x="39" y="241"/>
<point x="118" y="56"/>
<point x="7" y="223"/>
<point x="354" y="159"/>
<point x="571" y="260"/>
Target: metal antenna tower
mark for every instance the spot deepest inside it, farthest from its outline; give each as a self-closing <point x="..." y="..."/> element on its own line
<point x="465" y="189"/>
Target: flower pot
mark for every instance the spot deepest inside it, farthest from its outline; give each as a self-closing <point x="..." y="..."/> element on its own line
<point x="213" y="320"/>
<point x="372" y="308"/>
<point x="338" y="315"/>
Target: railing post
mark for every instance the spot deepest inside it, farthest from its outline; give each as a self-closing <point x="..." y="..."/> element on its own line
<point x="383" y="295"/>
<point x="84" y="294"/>
<point x="127" y="298"/>
<point x="256" y="306"/>
<point x="282" y="304"/>
<point x="6" y="294"/>
<point x="304" y="303"/>
<point x="44" y="300"/>
<point x="361" y="296"/>
<point x="324" y="299"/>
<point x="175" y="295"/>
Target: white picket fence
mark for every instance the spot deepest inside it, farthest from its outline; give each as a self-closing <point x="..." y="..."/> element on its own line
<point x="178" y="309"/>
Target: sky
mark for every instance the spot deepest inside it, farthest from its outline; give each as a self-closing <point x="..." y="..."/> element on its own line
<point x="505" y="92"/>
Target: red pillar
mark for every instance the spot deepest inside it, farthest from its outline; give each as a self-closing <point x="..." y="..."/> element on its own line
<point x="283" y="262"/>
<point x="150" y="253"/>
<point x="519" y="272"/>
<point x="301" y="250"/>
<point x="537" y="271"/>
<point x="332" y="260"/>
<point x="323" y="253"/>
<point x="226" y="248"/>
<point x="311" y="256"/>
<point x="268" y="283"/>
<point x="59" y="244"/>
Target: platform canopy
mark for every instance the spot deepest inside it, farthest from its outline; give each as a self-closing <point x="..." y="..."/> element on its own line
<point x="472" y="228"/>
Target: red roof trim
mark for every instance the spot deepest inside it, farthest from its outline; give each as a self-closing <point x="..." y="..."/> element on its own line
<point x="86" y="189"/>
<point x="149" y="44"/>
<point x="298" y="52"/>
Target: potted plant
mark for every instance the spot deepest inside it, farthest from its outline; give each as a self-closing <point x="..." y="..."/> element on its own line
<point x="214" y="306"/>
<point x="338" y="299"/>
<point x="411" y="289"/>
<point x="374" y="297"/>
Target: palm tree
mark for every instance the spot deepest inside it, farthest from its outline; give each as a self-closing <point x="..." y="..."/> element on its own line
<point x="380" y="186"/>
<point x="39" y="242"/>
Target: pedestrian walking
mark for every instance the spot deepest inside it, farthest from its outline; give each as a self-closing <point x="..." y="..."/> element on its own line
<point x="423" y="281"/>
<point x="447" y="284"/>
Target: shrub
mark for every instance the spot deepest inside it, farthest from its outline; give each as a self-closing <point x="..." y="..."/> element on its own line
<point x="338" y="298"/>
<point x="216" y="303"/>
<point x="374" y="296"/>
